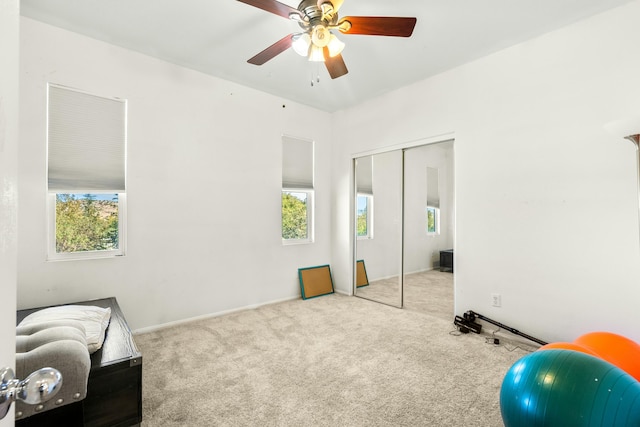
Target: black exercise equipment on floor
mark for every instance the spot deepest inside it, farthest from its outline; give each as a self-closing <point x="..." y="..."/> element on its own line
<point x="468" y="323"/>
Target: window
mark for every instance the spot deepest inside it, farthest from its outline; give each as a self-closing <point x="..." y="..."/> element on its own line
<point x="87" y="222"/>
<point x="433" y="220"/>
<point x="365" y="216"/>
<point x="297" y="190"/>
<point x="433" y="202"/>
<point x="296" y="215"/>
<point x="364" y="197"/>
<point x="86" y="145"/>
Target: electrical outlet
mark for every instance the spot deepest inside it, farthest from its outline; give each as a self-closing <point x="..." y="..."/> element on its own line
<point x="496" y="300"/>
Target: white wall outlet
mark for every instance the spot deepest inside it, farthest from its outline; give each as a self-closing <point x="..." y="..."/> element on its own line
<point x="496" y="300"/>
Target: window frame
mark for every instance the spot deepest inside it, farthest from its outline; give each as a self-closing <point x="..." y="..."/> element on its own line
<point x="53" y="255"/>
<point x="369" y="234"/>
<point x="117" y="170"/>
<point x="310" y="192"/>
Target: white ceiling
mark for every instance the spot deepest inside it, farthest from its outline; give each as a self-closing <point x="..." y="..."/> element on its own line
<point x="218" y="36"/>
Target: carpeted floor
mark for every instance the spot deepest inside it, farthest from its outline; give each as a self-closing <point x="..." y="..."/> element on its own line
<point x="429" y="292"/>
<point x="329" y="361"/>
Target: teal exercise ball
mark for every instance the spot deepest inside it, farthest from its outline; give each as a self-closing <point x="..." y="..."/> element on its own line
<point x="568" y="388"/>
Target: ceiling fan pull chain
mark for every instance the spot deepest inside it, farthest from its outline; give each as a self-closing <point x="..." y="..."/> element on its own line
<point x="315" y="70"/>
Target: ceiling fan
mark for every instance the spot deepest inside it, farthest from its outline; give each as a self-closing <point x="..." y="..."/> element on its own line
<point x="318" y="18"/>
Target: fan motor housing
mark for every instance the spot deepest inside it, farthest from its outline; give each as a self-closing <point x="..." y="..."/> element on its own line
<point x="313" y="15"/>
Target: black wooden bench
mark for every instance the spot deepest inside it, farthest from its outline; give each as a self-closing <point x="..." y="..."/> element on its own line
<point x="114" y="390"/>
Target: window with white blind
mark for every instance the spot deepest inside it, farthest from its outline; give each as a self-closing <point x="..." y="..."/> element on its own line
<point x="364" y="197"/>
<point x="86" y="174"/>
<point x="297" y="190"/>
<point x="433" y="202"/>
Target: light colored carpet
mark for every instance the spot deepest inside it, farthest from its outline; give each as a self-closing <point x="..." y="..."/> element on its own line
<point x="329" y="361"/>
<point x="429" y="292"/>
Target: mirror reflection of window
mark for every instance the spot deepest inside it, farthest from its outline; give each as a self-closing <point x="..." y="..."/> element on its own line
<point x="433" y="202"/>
<point x="364" y="189"/>
<point x="377" y="211"/>
<point x="365" y="216"/>
<point x="433" y="224"/>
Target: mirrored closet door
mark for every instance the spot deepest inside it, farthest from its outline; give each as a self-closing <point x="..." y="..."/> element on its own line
<point x="428" y="229"/>
<point x="403" y="221"/>
<point x="378" y="225"/>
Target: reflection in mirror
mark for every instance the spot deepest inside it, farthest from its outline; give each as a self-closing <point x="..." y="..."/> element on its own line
<point x="378" y="224"/>
<point x="361" y="274"/>
<point x="428" y="229"/>
<point x="433" y="202"/>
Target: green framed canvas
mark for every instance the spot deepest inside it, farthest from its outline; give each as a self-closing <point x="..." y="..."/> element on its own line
<point x="315" y="281"/>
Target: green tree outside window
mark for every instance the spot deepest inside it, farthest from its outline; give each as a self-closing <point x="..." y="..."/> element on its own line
<point x="86" y="224"/>
<point x="431" y="220"/>
<point x="294" y="215"/>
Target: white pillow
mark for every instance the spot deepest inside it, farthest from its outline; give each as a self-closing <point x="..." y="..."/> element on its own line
<point x="94" y="319"/>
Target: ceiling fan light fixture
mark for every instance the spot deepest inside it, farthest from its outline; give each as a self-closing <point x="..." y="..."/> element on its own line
<point x="320" y="35"/>
<point x="301" y="44"/>
<point x="316" y="54"/>
<point x="336" y="46"/>
<point x="316" y="41"/>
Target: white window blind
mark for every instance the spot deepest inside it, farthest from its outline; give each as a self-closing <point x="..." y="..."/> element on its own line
<point x="86" y="142"/>
<point x="364" y="175"/>
<point x="433" y="194"/>
<point x="297" y="163"/>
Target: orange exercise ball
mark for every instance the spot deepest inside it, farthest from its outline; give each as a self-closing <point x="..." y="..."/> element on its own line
<point x="569" y="346"/>
<point x="615" y="349"/>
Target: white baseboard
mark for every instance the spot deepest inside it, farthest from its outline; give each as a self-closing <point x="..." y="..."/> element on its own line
<point x="209" y="316"/>
<point x="421" y="271"/>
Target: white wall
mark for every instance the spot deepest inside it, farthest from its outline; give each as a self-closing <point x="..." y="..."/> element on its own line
<point x="204" y="181"/>
<point x="546" y="200"/>
<point x="9" y="37"/>
<point x="546" y="203"/>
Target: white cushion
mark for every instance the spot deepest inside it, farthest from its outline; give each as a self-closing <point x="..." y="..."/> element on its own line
<point x="94" y="319"/>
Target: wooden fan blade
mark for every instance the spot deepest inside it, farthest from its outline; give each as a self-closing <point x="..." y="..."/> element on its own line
<point x="272" y="51"/>
<point x="272" y="6"/>
<point x="335" y="66"/>
<point x="379" y="25"/>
